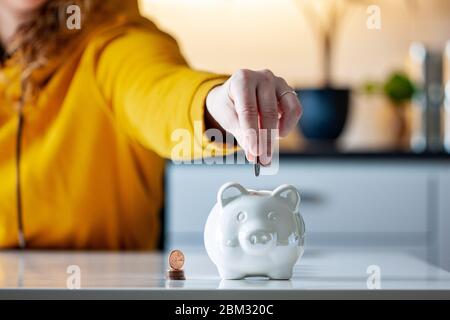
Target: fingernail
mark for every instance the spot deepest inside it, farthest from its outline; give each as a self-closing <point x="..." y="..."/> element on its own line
<point x="250" y="157"/>
<point x="265" y="160"/>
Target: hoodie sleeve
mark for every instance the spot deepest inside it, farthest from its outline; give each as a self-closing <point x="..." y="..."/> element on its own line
<point x="155" y="96"/>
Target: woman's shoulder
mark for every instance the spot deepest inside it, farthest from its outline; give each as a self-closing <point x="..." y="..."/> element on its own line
<point x="128" y="35"/>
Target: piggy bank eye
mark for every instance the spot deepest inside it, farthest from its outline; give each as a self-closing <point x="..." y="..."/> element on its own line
<point x="272" y="216"/>
<point x="241" y="216"/>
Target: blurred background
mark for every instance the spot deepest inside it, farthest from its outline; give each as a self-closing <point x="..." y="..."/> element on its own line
<point x="371" y="153"/>
<point x="329" y="44"/>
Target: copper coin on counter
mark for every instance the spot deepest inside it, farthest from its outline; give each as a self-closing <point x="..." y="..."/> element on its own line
<point x="175" y="275"/>
<point x="176" y="259"/>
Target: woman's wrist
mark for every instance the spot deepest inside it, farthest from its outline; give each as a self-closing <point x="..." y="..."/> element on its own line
<point x="210" y="122"/>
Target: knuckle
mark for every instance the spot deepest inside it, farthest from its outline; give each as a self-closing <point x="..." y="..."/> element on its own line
<point x="283" y="82"/>
<point x="243" y="75"/>
<point x="271" y="115"/>
<point x="267" y="75"/>
<point x="248" y="111"/>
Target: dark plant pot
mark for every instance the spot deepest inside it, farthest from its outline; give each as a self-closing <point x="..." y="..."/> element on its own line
<point x="324" y="112"/>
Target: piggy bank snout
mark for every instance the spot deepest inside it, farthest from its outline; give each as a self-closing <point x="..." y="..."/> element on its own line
<point x="257" y="241"/>
<point x="260" y="238"/>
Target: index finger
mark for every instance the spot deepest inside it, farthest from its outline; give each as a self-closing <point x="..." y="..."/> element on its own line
<point x="243" y="93"/>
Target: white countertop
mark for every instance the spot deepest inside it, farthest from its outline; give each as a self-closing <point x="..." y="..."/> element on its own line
<point x="321" y="273"/>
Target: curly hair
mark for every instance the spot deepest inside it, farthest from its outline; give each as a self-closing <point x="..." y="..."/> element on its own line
<point x="46" y="34"/>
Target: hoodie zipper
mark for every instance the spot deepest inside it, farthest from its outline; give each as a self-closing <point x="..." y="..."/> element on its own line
<point x="20" y="234"/>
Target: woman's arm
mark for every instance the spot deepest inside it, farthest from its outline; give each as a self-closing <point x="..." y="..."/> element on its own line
<point x="154" y="94"/>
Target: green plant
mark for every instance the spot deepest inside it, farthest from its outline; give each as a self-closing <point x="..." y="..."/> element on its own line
<point x="398" y="88"/>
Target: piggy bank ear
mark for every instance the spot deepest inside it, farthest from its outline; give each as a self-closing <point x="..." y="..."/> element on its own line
<point x="229" y="192"/>
<point x="289" y="194"/>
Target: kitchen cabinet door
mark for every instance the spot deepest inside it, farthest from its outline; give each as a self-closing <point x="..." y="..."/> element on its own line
<point x="354" y="201"/>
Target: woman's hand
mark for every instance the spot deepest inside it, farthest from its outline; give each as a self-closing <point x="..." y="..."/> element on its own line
<point x="250" y="101"/>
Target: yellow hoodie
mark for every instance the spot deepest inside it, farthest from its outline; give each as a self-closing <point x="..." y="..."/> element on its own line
<point x="93" y="141"/>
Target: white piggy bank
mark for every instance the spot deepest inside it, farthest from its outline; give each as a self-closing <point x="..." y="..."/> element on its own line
<point x="255" y="233"/>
